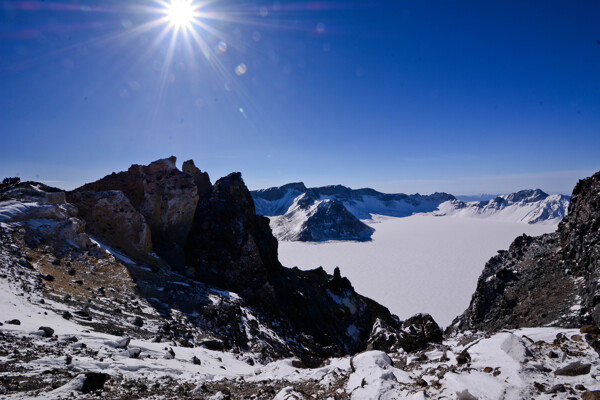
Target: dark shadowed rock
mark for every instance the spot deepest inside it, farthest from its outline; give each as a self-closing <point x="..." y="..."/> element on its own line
<point x="591" y="395"/>
<point x="546" y="280"/>
<point x="94" y="381"/>
<point x="47" y="331"/>
<point x="201" y="179"/>
<point x="423" y="329"/>
<point x="574" y="369"/>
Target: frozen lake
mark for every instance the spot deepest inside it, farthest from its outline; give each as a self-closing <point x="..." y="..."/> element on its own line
<point x="415" y="264"/>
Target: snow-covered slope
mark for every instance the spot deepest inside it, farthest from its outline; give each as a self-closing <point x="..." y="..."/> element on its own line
<point x="363" y="203"/>
<point x="334" y="212"/>
<point x="529" y="206"/>
<point x="308" y="220"/>
<point x="293" y="207"/>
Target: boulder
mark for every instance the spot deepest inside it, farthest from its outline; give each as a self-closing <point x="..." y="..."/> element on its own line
<point x="574" y="369"/>
<point x="94" y="381"/>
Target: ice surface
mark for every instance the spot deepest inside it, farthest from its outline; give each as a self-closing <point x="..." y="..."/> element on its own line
<point x="420" y="263"/>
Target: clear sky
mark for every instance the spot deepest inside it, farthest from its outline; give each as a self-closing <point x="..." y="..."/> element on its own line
<point x="402" y="96"/>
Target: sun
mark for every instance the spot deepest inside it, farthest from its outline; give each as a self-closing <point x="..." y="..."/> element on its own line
<point x="181" y="13"/>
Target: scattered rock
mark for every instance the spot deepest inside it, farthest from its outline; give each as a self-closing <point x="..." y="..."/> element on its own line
<point x="134" y="352"/>
<point x="67" y="315"/>
<point x="559" y="388"/>
<point x="94" y="381"/>
<point x="465" y="395"/>
<point x="463" y="358"/>
<point x="591" y="395"/>
<point x="213" y="344"/>
<point x="574" y="369"/>
<point x="13" y="322"/>
<point x="47" y="331"/>
<point x="196" y="360"/>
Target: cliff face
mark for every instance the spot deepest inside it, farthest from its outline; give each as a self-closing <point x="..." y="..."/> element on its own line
<point x="167" y="219"/>
<point x="165" y="196"/>
<point x="547" y="280"/>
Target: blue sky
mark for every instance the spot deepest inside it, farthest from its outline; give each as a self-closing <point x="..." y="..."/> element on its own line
<point x="403" y="96"/>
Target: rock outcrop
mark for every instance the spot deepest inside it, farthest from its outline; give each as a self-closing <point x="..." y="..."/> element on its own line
<point x="165" y="196"/>
<point x="112" y="219"/>
<point x="547" y="280"/>
<point x="209" y="242"/>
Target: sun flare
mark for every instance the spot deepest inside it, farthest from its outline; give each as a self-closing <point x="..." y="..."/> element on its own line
<point x="181" y="13"/>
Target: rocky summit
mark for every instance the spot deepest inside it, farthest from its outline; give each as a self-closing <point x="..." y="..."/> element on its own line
<point x="172" y="242"/>
<point x="550" y="280"/>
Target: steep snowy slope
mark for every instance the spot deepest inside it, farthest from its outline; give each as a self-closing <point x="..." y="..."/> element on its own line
<point x="530" y="206"/>
<point x="310" y="220"/>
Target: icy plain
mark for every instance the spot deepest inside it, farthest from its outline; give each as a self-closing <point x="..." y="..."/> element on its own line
<point x="421" y="263"/>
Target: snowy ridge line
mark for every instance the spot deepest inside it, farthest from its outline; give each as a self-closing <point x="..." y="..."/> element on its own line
<point x="293" y="208"/>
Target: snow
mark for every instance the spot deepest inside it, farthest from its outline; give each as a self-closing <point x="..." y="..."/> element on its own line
<point x="549" y="210"/>
<point x="420" y="263"/>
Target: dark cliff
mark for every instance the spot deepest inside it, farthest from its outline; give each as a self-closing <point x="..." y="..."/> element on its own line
<point x="550" y="280"/>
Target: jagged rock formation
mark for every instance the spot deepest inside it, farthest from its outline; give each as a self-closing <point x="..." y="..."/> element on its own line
<point x="334" y="212"/>
<point x="530" y="206"/>
<point x="547" y="280"/>
<point x="179" y="248"/>
<point x="165" y="196"/>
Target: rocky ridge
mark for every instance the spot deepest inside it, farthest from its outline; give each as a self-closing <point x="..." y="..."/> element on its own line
<point x="182" y="248"/>
<point x="550" y="280"/>
<point x="530" y="206"/>
<point x="83" y="319"/>
<point x="337" y="212"/>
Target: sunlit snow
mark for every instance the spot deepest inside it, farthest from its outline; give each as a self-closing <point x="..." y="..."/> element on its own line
<point x="421" y="263"/>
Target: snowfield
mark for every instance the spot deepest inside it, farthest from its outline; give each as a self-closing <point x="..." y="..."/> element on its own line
<point x="421" y="263"/>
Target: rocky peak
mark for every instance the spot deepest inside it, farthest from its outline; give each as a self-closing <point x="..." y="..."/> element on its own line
<point x="229" y="245"/>
<point x="201" y="179"/>
<point x="164" y="195"/>
<point x="527" y="196"/>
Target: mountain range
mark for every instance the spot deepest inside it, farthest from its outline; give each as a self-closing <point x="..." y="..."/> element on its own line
<point x="156" y="283"/>
<point x="340" y="213"/>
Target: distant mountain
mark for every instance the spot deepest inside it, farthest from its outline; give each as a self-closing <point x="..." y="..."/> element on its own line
<point x="335" y="212"/>
<point x="312" y="220"/>
<point x="530" y="206"/>
<point x="477" y="197"/>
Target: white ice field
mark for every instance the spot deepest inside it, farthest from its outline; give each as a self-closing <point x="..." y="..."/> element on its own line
<point x="420" y="263"/>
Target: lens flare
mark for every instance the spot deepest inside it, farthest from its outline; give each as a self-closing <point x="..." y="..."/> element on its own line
<point x="181" y="13"/>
